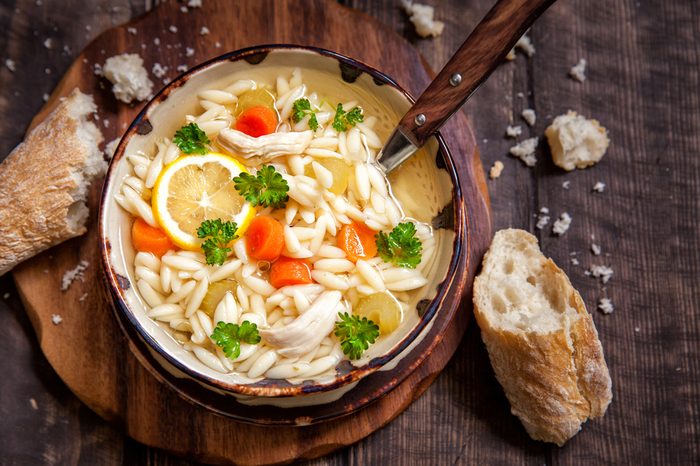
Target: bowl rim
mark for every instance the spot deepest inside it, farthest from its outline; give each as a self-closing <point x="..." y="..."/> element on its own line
<point x="114" y="280"/>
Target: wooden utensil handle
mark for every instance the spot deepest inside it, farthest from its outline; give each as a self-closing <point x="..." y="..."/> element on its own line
<point x="479" y="55"/>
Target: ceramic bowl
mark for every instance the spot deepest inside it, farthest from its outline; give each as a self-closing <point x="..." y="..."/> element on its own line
<point x="427" y="187"/>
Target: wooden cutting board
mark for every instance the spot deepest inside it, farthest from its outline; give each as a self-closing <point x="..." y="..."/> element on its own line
<point x="87" y="349"/>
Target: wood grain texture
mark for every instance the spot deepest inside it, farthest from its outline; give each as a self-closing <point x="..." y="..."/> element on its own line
<point x="643" y="85"/>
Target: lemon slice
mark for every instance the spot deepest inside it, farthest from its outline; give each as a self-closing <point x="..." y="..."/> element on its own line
<point x="195" y="188"/>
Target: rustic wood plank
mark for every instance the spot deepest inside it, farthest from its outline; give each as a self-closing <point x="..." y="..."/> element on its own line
<point x="643" y="85"/>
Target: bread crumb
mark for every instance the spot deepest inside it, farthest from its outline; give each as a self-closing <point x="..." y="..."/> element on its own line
<point x="599" y="187"/>
<point x="566" y="184"/>
<point x="542" y="218"/>
<point x="514" y="131"/>
<point x="56" y="319"/>
<point x="33" y="404"/>
<point x="204" y="31"/>
<point x="529" y="116"/>
<point x="111" y="147"/>
<point x="574" y="261"/>
<point x="637" y="329"/>
<point x="603" y="272"/>
<point x="181" y="68"/>
<point x="605" y="306"/>
<point x="578" y="71"/>
<point x="194" y="3"/>
<point x="496" y="170"/>
<point x="189" y="52"/>
<point x="525" y="44"/>
<point x="423" y="19"/>
<point x="5" y="296"/>
<point x="10" y="65"/>
<point x="83" y="297"/>
<point x="77" y="273"/>
<point x="159" y="70"/>
<point x="48" y="43"/>
<point x="128" y="76"/>
<point x="131" y="30"/>
<point x="172" y="28"/>
<point x="48" y="70"/>
<point x="562" y="224"/>
<point x="217" y="44"/>
<point x="576" y="142"/>
<point x="45" y="97"/>
<point x="595" y="249"/>
<point x="184" y="9"/>
<point x="525" y="151"/>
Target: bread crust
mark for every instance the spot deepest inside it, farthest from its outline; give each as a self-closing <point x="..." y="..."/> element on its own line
<point x="554" y="381"/>
<point x="41" y="185"/>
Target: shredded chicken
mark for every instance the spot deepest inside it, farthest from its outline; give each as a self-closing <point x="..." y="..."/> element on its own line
<point x="268" y="146"/>
<point x="308" y="330"/>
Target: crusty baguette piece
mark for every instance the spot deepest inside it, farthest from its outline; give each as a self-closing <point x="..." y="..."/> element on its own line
<point x="542" y="342"/>
<point x="44" y="182"/>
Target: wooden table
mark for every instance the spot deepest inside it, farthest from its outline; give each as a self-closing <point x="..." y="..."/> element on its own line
<point x="643" y="85"/>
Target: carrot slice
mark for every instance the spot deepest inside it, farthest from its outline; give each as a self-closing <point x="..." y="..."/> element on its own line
<point x="257" y="121"/>
<point x="286" y="271"/>
<point x="357" y="240"/>
<point x="265" y="238"/>
<point x="149" y="239"/>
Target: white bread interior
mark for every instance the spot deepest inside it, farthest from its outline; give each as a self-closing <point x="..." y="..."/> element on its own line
<point x="542" y="342"/>
<point x="576" y="142"/>
<point x="44" y="181"/>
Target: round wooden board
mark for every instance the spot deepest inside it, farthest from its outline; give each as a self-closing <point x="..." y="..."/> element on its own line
<point x="88" y="350"/>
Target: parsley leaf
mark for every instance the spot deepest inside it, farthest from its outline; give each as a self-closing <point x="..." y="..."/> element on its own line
<point x="355" y="334"/>
<point x="191" y="139"/>
<point x="343" y="119"/>
<point x="400" y="246"/>
<point x="218" y="235"/>
<point x="300" y="109"/>
<point x="230" y="336"/>
<point x="267" y="188"/>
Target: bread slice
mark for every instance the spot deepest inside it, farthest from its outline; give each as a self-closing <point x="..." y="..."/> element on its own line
<point x="542" y="342"/>
<point x="576" y="142"/>
<point x="44" y="181"/>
